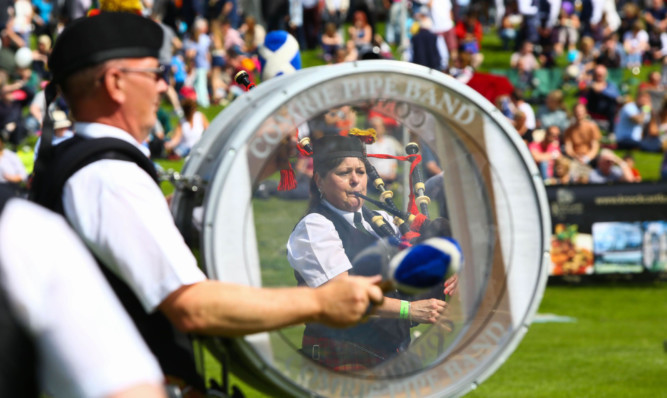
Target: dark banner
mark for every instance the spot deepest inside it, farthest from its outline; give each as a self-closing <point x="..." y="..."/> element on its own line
<point x="602" y="229"/>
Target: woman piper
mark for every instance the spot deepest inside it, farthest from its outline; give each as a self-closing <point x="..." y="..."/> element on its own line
<point x="321" y="249"/>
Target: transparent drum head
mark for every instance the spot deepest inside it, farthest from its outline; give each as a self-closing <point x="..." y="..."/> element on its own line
<point x="489" y="190"/>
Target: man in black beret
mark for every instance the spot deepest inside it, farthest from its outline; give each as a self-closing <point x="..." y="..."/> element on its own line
<point x="106" y="67"/>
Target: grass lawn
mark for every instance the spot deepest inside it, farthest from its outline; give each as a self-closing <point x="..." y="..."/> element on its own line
<point x="613" y="349"/>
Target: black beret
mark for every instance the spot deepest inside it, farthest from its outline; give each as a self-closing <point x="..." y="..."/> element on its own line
<point x="109" y="35"/>
<point x="336" y="146"/>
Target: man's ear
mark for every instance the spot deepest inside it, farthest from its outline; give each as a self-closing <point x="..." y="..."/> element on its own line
<point x="114" y="81"/>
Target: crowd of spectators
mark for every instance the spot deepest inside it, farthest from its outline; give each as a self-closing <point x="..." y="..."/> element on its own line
<point x="211" y="42"/>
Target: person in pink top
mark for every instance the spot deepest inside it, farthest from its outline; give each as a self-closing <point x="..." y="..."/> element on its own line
<point x="547" y="151"/>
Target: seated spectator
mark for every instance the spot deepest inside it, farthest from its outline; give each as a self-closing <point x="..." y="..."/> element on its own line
<point x="525" y="107"/>
<point x="585" y="58"/>
<point x="331" y="42"/>
<point x="582" y="138"/>
<point x="610" y="168"/>
<point x="253" y="35"/>
<point x="630" y="161"/>
<point x="360" y="32"/>
<point x="546" y="151"/>
<point x="351" y="52"/>
<point x="611" y="52"/>
<point x="525" y="61"/>
<point x="190" y="131"/>
<point x="552" y="113"/>
<point x="12" y="171"/>
<point x="635" y="43"/>
<point x="653" y="82"/>
<point x="12" y="102"/>
<point x="601" y="96"/>
<point x="561" y="172"/>
<point x="519" y="123"/>
<point x="40" y="57"/>
<point x="469" y="30"/>
<point x="567" y="29"/>
<point x="463" y="69"/>
<point x="632" y="118"/>
<point x="655" y="134"/>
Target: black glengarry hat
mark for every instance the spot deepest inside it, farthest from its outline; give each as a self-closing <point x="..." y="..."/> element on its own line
<point x="109" y="35"/>
<point x="336" y="146"/>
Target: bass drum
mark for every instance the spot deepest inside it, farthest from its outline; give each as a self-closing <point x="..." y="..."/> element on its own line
<point x="490" y="189"/>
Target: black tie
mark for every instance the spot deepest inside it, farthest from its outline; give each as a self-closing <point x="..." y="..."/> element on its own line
<point x="358" y="224"/>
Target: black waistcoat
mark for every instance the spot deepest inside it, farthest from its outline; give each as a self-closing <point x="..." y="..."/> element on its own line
<point x="18" y="362"/>
<point x="172" y="348"/>
<point x="381" y="336"/>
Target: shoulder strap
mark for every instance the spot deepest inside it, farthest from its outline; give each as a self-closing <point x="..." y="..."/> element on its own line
<point x="75" y="154"/>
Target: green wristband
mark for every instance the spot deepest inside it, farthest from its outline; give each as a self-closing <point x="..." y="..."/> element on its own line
<point x="405" y="310"/>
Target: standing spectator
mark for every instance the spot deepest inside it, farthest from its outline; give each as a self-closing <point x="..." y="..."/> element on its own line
<point x="552" y="113"/>
<point x="531" y="22"/>
<point x="632" y="118"/>
<point x="442" y="17"/>
<point x="509" y="26"/>
<point x="312" y="22"/>
<point x="601" y="96"/>
<point x="335" y="11"/>
<point x="201" y="42"/>
<point x="656" y="17"/>
<point x="295" y="23"/>
<point x="546" y="151"/>
<point x="582" y="138"/>
<point x="23" y="19"/>
<point x="610" y="168"/>
<point x="393" y="26"/>
<point x="426" y="48"/>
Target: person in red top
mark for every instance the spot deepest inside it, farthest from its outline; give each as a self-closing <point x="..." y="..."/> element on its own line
<point x="469" y="28"/>
<point x="547" y="151"/>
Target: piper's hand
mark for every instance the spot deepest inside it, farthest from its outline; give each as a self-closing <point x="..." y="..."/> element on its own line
<point x="345" y="301"/>
<point x="452" y="285"/>
<point x="427" y="311"/>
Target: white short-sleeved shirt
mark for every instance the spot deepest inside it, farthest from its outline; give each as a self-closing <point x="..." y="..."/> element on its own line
<point x="315" y="249"/>
<point x="123" y="217"/>
<point x="87" y="345"/>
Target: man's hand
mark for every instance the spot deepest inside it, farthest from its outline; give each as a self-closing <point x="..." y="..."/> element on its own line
<point x="427" y="311"/>
<point x="345" y="301"/>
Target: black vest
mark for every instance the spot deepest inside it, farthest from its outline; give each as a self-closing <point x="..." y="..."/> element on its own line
<point x="18" y="362"/>
<point x="172" y="348"/>
<point x="383" y="337"/>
